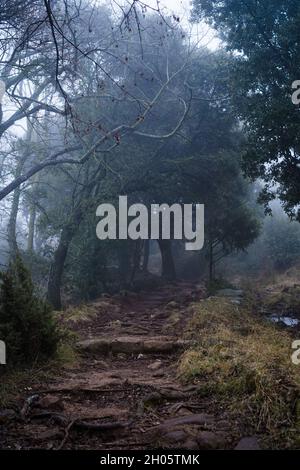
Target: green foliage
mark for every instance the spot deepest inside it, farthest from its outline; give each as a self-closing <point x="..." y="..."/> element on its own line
<point x="264" y="37"/>
<point x="85" y="273"/>
<point x="231" y="221"/>
<point x="26" y="322"/>
<point x="282" y="241"/>
<point x="199" y="164"/>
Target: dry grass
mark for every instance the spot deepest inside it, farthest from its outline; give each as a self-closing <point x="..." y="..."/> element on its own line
<point x="81" y="313"/>
<point x="86" y="313"/>
<point x="19" y="381"/>
<point x="245" y="363"/>
<point x="287" y="299"/>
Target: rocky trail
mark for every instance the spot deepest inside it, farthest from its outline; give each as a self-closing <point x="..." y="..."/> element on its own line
<point x="124" y="392"/>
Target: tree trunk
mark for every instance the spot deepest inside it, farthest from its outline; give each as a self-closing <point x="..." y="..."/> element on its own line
<point x="57" y="266"/>
<point x="12" y="223"/>
<point x="211" y="262"/>
<point x="31" y="227"/>
<point x="67" y="234"/>
<point x="136" y="259"/>
<point x="146" y="255"/>
<point x="167" y="261"/>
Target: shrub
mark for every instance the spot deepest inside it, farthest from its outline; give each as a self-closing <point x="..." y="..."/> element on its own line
<point x="26" y="322"/>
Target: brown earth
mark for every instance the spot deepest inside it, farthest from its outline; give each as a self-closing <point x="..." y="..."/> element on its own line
<point x="124" y="392"/>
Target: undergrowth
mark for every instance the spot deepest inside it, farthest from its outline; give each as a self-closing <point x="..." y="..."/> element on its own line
<point x="245" y="363"/>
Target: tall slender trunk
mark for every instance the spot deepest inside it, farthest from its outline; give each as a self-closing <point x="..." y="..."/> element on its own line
<point x="146" y="255"/>
<point x="138" y="249"/>
<point x="57" y="267"/>
<point x="67" y="235"/>
<point x="31" y="227"/>
<point x="12" y="223"/>
<point x="58" y="263"/>
<point x="211" y="262"/>
<point x="168" y="266"/>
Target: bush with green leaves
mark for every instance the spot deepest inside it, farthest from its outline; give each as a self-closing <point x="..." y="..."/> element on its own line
<point x="27" y="324"/>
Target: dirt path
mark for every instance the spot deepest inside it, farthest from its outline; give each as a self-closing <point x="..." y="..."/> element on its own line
<point x="124" y="393"/>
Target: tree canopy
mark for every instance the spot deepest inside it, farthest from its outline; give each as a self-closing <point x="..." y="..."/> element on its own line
<point x="263" y="37"/>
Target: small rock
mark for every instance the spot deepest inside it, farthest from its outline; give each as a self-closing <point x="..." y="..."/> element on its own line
<point x="224" y="425"/>
<point x="155" y="365"/>
<point x="122" y="356"/>
<point x="52" y="403"/>
<point x="159" y="373"/>
<point x="248" y="443"/>
<point x="211" y="440"/>
<point x="115" y="324"/>
<point x="190" y="444"/>
<point x="232" y="293"/>
<point x="184" y="412"/>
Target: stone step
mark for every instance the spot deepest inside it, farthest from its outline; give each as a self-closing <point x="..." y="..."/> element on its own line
<point x="231" y="293"/>
<point x="132" y="345"/>
<point x="193" y="432"/>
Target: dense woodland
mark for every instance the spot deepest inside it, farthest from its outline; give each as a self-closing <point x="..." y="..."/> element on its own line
<point x="102" y="99"/>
